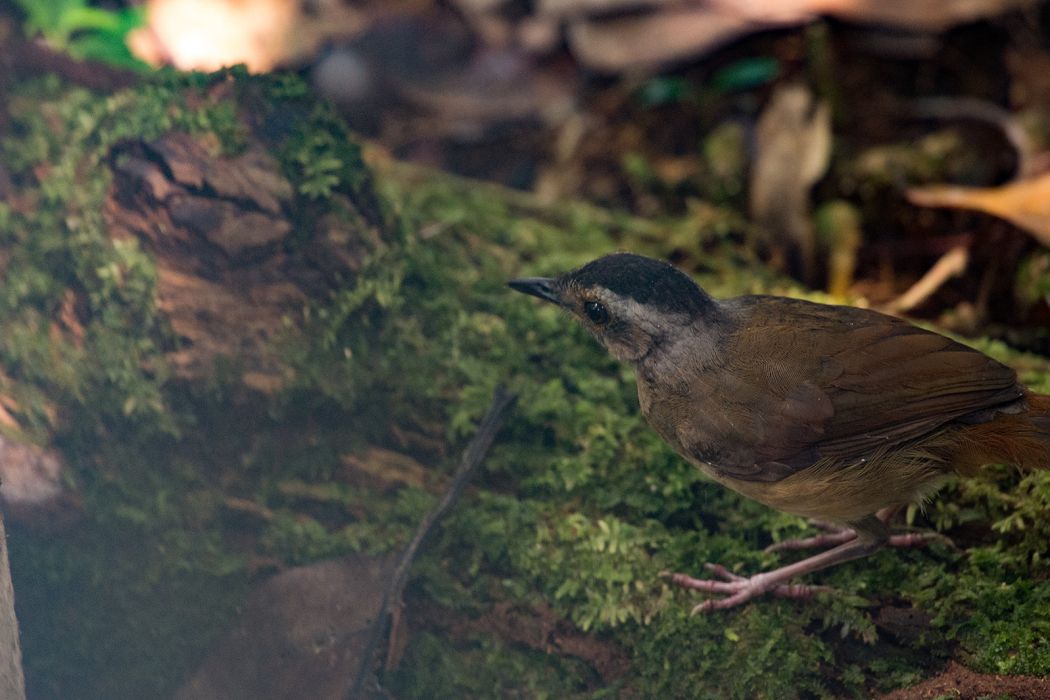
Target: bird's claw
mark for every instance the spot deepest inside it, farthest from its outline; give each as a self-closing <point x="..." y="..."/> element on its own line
<point x="739" y="589"/>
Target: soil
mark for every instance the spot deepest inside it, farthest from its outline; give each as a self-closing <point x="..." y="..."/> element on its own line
<point x="957" y="681"/>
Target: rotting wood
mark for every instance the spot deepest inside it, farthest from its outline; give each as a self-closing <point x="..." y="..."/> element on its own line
<point x="221" y="230"/>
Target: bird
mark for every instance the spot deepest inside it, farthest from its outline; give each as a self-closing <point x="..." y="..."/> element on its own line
<point x="835" y="413"/>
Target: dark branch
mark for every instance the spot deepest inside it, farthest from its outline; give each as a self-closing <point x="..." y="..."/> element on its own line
<point x="472" y="458"/>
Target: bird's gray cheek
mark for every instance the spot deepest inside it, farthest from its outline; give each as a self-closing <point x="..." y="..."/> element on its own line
<point x="629" y="346"/>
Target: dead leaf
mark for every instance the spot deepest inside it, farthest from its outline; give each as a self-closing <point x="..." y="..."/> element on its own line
<point x="913" y="15"/>
<point x="1024" y="203"/>
<point x="651" y="40"/>
<point x="248" y="507"/>
<point x="67" y="316"/>
<point x="386" y="467"/>
<point x="663" y="31"/>
<point x="6" y="419"/>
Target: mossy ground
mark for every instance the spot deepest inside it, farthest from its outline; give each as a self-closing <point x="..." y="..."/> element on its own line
<point x="580" y="505"/>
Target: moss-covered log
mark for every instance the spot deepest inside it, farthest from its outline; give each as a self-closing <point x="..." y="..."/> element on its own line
<point x="237" y="254"/>
<point x="255" y="351"/>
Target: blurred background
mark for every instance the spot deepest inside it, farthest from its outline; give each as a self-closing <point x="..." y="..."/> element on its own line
<point x="886" y="153"/>
<point x="841" y="129"/>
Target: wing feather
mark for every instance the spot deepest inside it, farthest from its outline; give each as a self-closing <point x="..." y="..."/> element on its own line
<point x="834" y="383"/>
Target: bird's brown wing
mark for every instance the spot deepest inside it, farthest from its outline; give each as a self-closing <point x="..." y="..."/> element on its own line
<point x="806" y="382"/>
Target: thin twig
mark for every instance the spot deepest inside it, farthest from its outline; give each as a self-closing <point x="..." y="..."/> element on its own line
<point x="951" y="264"/>
<point x="472" y="458"/>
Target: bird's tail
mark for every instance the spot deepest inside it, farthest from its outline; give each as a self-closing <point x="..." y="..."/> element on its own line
<point x="1022" y="439"/>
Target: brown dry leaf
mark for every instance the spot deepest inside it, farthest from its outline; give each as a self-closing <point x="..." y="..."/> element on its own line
<point x="386" y="466"/>
<point x="67" y="317"/>
<point x="6" y="419"/>
<point x="672" y="31"/>
<point x="248" y="507"/>
<point x="928" y="15"/>
<point x="914" y="15"/>
<point x="8" y="404"/>
<point x="650" y="40"/>
<point x="1024" y="203"/>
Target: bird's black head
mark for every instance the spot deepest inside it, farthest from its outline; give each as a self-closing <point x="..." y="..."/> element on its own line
<point x="652" y="283"/>
<point x="629" y="302"/>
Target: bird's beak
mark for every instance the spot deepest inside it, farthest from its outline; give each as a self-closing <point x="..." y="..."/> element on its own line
<point x="542" y="287"/>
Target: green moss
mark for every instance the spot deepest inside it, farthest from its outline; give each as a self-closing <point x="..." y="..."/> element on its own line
<point x="485" y="667"/>
<point x="600" y="505"/>
<point x="60" y="254"/>
<point x="149" y="566"/>
<point x="297" y="537"/>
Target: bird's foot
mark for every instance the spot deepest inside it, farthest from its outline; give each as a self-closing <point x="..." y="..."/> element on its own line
<point x="739" y="589"/>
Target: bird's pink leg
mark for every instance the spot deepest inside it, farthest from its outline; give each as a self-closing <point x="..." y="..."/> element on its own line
<point x="836" y="535"/>
<point x="867" y="536"/>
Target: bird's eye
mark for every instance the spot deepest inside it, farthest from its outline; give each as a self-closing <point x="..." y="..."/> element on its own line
<point x="596" y="312"/>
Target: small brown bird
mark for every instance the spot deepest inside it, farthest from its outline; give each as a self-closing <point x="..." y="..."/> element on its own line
<point x="829" y="412"/>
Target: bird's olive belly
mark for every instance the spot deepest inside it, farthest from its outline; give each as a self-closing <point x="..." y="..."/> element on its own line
<point x="842" y="493"/>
